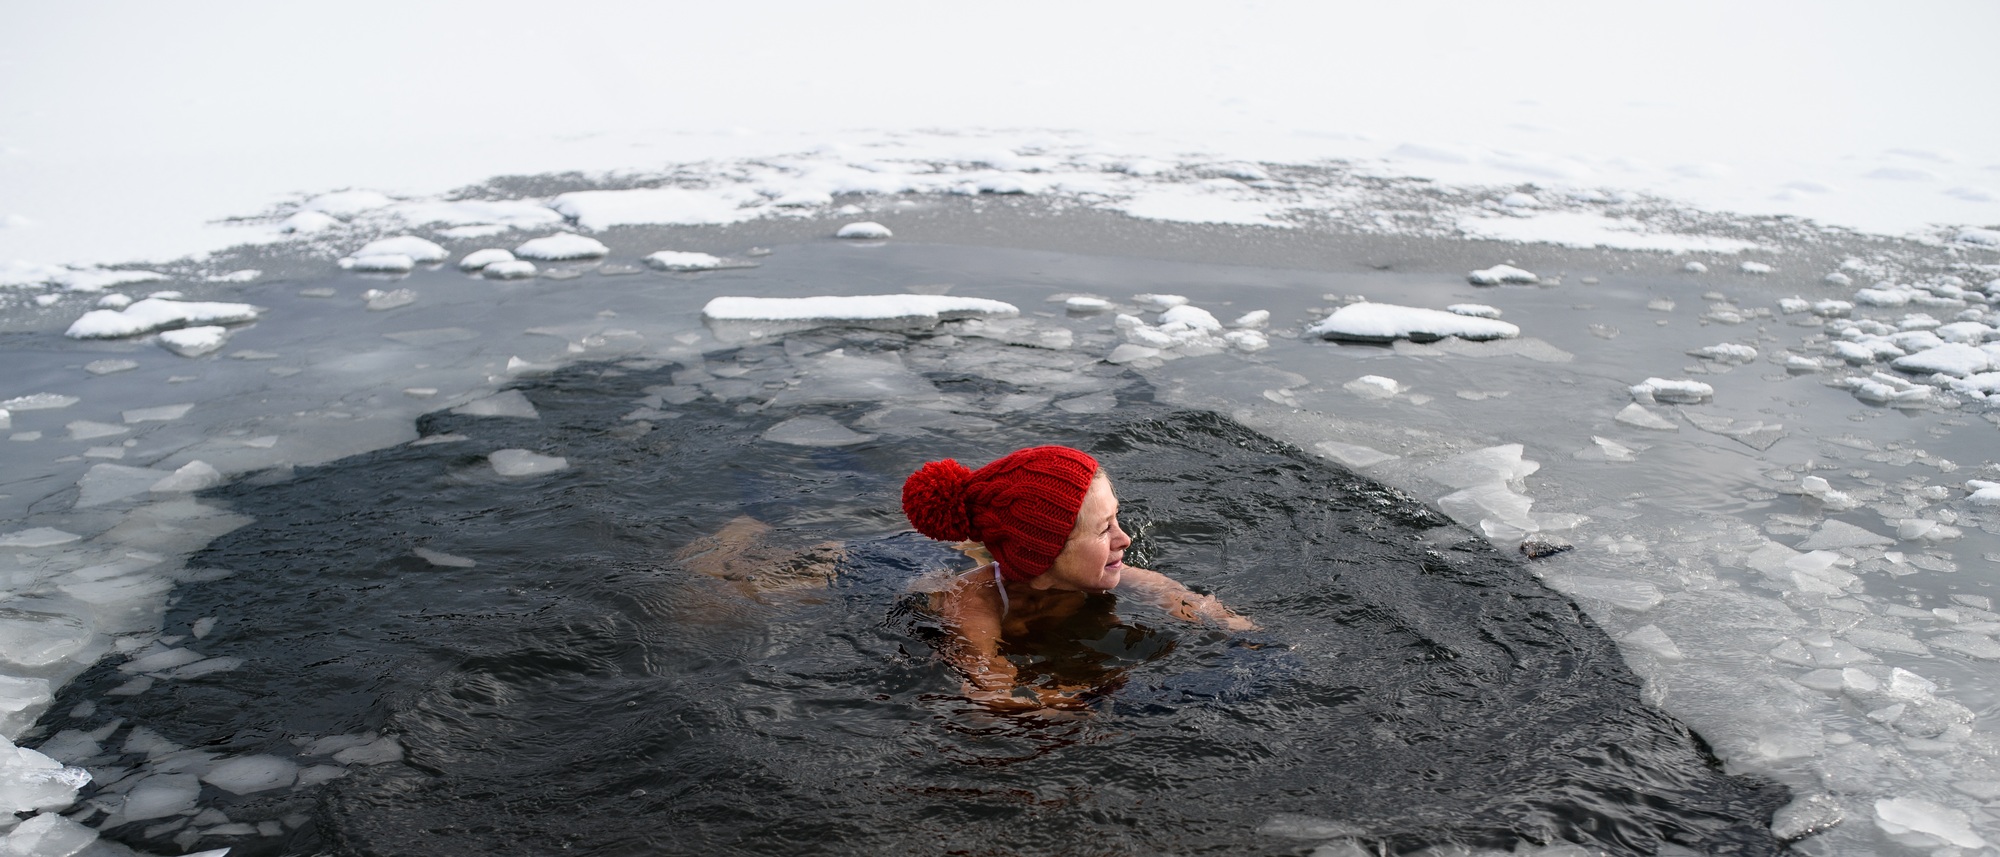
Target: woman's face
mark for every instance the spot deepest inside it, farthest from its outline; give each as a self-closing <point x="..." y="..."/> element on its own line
<point x="1094" y="557"/>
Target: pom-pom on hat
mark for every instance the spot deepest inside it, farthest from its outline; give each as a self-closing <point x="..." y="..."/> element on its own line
<point x="1022" y="507"/>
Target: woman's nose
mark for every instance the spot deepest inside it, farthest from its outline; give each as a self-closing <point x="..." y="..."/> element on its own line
<point x="1118" y="537"/>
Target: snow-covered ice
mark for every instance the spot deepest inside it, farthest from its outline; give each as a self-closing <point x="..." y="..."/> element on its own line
<point x="561" y="247"/>
<point x="153" y="314"/>
<point x="682" y="260"/>
<point x="1378" y="322"/>
<point x="866" y="229"/>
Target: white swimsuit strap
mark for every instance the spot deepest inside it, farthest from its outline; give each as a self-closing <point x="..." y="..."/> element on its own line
<point x="1000" y="584"/>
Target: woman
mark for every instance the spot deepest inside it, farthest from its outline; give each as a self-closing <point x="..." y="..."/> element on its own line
<point x="1043" y="524"/>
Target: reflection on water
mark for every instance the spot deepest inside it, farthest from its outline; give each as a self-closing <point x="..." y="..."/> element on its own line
<point x="577" y="674"/>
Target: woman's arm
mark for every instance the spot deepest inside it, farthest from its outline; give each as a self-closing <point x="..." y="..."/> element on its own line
<point x="972" y="613"/>
<point x="1182" y="601"/>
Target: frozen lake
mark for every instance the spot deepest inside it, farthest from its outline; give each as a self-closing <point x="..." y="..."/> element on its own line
<point x="1795" y="558"/>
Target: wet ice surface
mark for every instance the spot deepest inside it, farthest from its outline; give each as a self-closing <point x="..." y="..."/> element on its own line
<point x="1794" y="561"/>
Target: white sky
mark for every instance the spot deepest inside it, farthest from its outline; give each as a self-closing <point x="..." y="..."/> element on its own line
<point x="125" y="126"/>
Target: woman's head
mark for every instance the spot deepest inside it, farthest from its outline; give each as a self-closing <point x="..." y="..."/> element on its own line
<point x="1022" y="507"/>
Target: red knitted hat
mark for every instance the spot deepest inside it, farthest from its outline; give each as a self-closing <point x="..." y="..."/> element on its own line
<point x="1022" y="507"/>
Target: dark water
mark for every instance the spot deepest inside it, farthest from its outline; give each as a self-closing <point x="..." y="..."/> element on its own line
<point x="582" y="690"/>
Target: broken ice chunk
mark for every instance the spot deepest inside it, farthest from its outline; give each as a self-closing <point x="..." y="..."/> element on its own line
<point x="562" y="247"/>
<point x="92" y="430"/>
<point x="1918" y="822"/>
<point x="1634" y="595"/>
<point x="1748" y="267"/>
<point x="1129" y="352"/>
<point x="1636" y="415"/>
<point x="1695" y="268"/>
<point x="506" y="403"/>
<point x="109" y="483"/>
<point x="512" y="269"/>
<point x="1975" y="645"/>
<point x="1983" y="493"/>
<point x="443" y="560"/>
<point x="1193" y="317"/>
<point x="1503" y="464"/>
<point x="479" y="259"/>
<point x="1805" y="816"/>
<point x="34" y="639"/>
<point x="30" y="781"/>
<point x="47" y="835"/>
<point x="194" y="341"/>
<point x="1352" y="455"/>
<point x="1727" y="353"/>
<point x="522" y="462"/>
<point x="37" y="537"/>
<point x="385" y="263"/>
<point x="1252" y="320"/>
<point x="251" y="774"/>
<point x="1086" y="304"/>
<point x="157" y="314"/>
<point x="192" y="476"/>
<point x="1372" y="322"/>
<point x="1374" y="387"/>
<point x="814" y="431"/>
<point x="1160" y="303"/>
<point x="1955" y="359"/>
<point x="1834" y="535"/>
<point x="417" y="249"/>
<point x="161" y="795"/>
<point x="1473" y="310"/>
<point x="163" y="413"/>
<point x="1680" y="392"/>
<point x="1650" y="638"/>
<point x="866" y="230"/>
<point x="1499" y="274"/>
<point x="681" y="260"/>
<point x="1606" y="449"/>
<point x="378" y="300"/>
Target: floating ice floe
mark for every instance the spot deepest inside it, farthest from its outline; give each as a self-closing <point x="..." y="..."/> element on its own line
<point x="1473" y="310"/>
<point x="71" y="279"/>
<point x="747" y="317"/>
<point x="39" y="402"/>
<point x="1502" y="274"/>
<point x="32" y="782"/>
<point x="1882" y="388"/>
<point x="522" y="462"/>
<point x="1748" y="267"/>
<point x="1983" y="493"/>
<point x="153" y="314"/>
<point x="417" y="249"/>
<point x="814" y="431"/>
<point x="382" y="263"/>
<point x="1086" y="304"/>
<point x="1952" y="358"/>
<point x="682" y="260"/>
<point x="378" y="300"/>
<point x="506" y="403"/>
<point x="1374" y="387"/>
<point x="1161" y="303"/>
<point x="865" y="230"/>
<point x="1695" y="268"/>
<point x="479" y="259"/>
<point x="562" y="247"/>
<point x="1184" y="330"/>
<point x="1374" y="322"/>
<point x="1679" y="392"/>
<point x="195" y="341"/>
<point x="1727" y="352"/>
<point x="511" y="269"/>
